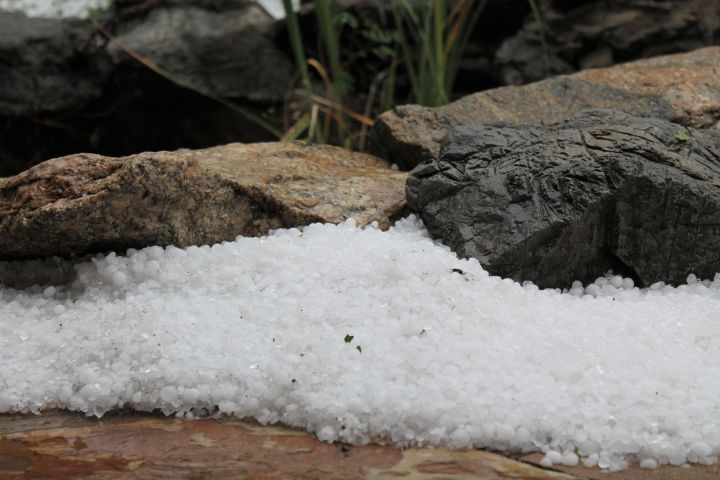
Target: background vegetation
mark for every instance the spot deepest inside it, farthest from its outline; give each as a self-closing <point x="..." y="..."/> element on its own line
<point x="412" y="52"/>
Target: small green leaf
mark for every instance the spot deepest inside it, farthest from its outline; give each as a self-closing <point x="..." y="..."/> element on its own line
<point x="577" y="450"/>
<point x="348" y="338"/>
<point x="345" y="18"/>
<point x="383" y="51"/>
<point x="359" y="348"/>
<point x="682" y="136"/>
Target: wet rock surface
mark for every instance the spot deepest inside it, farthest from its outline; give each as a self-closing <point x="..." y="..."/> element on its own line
<point x="683" y="88"/>
<point x="554" y="204"/>
<point x="88" y="203"/>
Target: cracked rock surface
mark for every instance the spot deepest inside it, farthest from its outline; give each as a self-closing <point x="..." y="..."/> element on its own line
<point x="553" y="204"/>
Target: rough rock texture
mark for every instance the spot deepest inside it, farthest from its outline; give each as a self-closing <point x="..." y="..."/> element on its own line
<point x="681" y="88"/>
<point x="88" y="203"/>
<point x="554" y="204"/>
<point x="143" y="446"/>
<point x="597" y="33"/>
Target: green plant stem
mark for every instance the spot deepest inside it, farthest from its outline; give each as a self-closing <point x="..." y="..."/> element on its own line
<point x="331" y="43"/>
<point x="293" y="26"/>
<point x="298" y="48"/>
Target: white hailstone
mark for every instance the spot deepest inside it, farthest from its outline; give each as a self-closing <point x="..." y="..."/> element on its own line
<point x="505" y="433"/>
<point x="545" y="462"/>
<point x="120" y="279"/>
<point x="569" y="459"/>
<point x="87" y="374"/>
<point x="591" y="460"/>
<point x="593" y="289"/>
<point x="522" y="435"/>
<point x="326" y="434"/>
<point x="460" y="438"/>
<point x="701" y="449"/>
<point x="648" y="463"/>
<point x="554" y="457"/>
<point x="168" y="394"/>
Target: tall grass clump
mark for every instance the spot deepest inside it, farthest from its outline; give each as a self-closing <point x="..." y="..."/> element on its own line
<point x="428" y="41"/>
<point x="432" y="37"/>
<point x="327" y="117"/>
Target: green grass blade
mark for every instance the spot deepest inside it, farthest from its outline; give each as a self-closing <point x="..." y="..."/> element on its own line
<point x="293" y="26"/>
<point x="294" y="132"/>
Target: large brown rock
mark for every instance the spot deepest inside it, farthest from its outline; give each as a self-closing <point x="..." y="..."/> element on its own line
<point x="683" y="88"/>
<point x="88" y="203"/>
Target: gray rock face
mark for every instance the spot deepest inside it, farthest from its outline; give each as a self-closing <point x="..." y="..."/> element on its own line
<point x="553" y="204"/>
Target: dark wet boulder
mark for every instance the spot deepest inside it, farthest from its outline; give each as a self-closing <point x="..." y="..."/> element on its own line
<point x="553" y="204"/>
